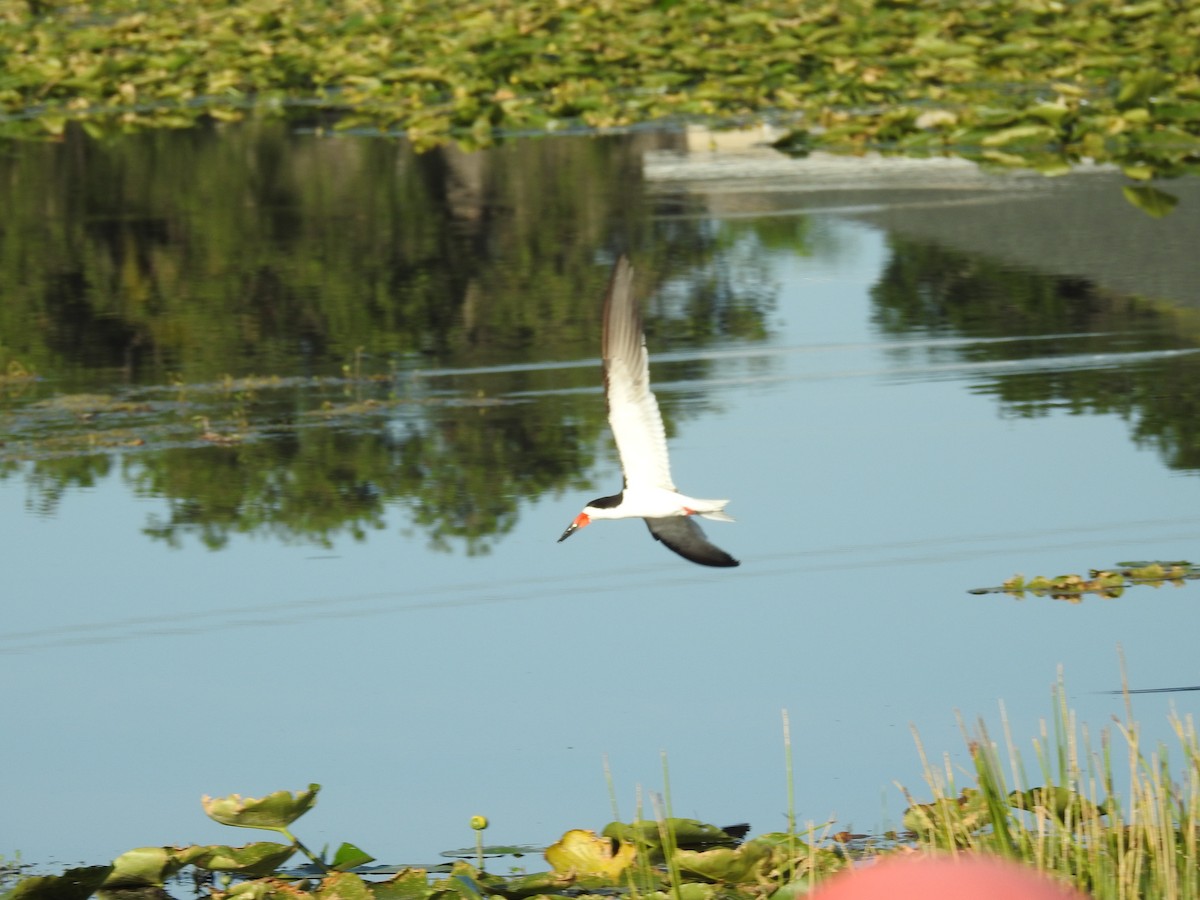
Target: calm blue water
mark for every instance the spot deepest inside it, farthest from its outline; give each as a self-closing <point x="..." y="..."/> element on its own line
<point x="881" y="460"/>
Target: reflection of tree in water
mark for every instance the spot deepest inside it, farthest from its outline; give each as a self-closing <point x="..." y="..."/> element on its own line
<point x="49" y="481"/>
<point x="465" y="476"/>
<point x="928" y="290"/>
<point x="313" y="484"/>
<point x="187" y="257"/>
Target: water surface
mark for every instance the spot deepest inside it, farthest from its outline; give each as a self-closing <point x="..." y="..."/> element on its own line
<point x="281" y="503"/>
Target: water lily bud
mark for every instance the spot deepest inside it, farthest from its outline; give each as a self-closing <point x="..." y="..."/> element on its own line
<point x="479" y="822"/>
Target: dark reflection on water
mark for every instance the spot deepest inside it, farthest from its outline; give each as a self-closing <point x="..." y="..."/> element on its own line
<point x="263" y="328"/>
<point x="1070" y="324"/>
<point x="278" y="296"/>
<point x="253" y="251"/>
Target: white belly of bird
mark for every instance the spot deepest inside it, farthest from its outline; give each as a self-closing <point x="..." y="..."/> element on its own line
<point x="659" y="503"/>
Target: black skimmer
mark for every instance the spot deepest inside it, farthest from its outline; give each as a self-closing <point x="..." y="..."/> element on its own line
<point x="648" y="492"/>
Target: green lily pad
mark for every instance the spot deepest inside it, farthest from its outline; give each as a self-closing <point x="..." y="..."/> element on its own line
<point x="348" y="856"/>
<point x="146" y="866"/>
<point x="465" y="885"/>
<point x="256" y="859"/>
<point x="1136" y="89"/>
<point x="490" y="850"/>
<point x="1021" y="134"/>
<point x="73" y="884"/>
<point x="272" y="812"/>
<point x="731" y="865"/>
<point x="264" y="889"/>
<point x="343" y="886"/>
<point x="537" y="884"/>
<point x="692" y="890"/>
<point x="1150" y="200"/>
<point x="411" y="884"/>
<point x="686" y="834"/>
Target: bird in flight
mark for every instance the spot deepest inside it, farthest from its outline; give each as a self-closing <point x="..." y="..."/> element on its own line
<point x="648" y="492"/>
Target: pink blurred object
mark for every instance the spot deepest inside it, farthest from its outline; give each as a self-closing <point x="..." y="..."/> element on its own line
<point x="964" y="877"/>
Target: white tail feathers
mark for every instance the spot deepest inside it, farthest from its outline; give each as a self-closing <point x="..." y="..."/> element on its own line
<point x="717" y="513"/>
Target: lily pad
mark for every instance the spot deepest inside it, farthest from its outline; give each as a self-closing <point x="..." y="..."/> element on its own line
<point x="537" y="884"/>
<point x="273" y="812"/>
<point x="691" y="890"/>
<point x="411" y="884"/>
<point x="1150" y="200"/>
<point x="73" y="884"/>
<point x="348" y="857"/>
<point x="685" y="834"/>
<point x="584" y="852"/>
<point x="491" y="850"/>
<point x="264" y="889"/>
<point x="146" y="866"/>
<point x="731" y="865"/>
<point x="343" y="886"/>
<point x="254" y="860"/>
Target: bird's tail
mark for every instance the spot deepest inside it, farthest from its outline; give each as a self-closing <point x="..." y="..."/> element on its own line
<point x="713" y="509"/>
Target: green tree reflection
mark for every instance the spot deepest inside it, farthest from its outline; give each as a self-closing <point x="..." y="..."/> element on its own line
<point x="288" y="292"/>
<point x="927" y="289"/>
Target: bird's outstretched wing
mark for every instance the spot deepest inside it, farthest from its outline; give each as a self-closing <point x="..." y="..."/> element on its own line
<point x="632" y="410"/>
<point x="685" y="537"/>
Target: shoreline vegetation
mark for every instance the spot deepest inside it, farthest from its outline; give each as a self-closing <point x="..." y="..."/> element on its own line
<point x="1109" y="818"/>
<point x="1035" y="83"/>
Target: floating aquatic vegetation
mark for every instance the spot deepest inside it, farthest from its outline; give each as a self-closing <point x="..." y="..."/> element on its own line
<point x="580" y="861"/>
<point x="1101" y="582"/>
<point x="1007" y="82"/>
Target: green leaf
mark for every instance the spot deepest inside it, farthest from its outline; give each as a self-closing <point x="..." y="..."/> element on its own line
<point x="263" y="889"/>
<point x="1139" y="87"/>
<point x="1150" y="200"/>
<point x="1050" y="113"/>
<point x="466" y="886"/>
<point x="1168" y="141"/>
<point x="493" y="850"/>
<point x="411" y="884"/>
<point x="731" y="865"/>
<point x="348" y="856"/>
<point x="687" y="834"/>
<point x="1138" y="172"/>
<point x="1026" y="134"/>
<point x="149" y="866"/>
<point x="343" y="886"/>
<point x="73" y="884"/>
<point x="1138" y="10"/>
<point x="540" y="883"/>
<point x="692" y="890"/>
<point x="254" y="860"/>
<point x="274" y="812"/>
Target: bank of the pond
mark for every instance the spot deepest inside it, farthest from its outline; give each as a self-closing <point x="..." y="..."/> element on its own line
<point x="1023" y="82"/>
